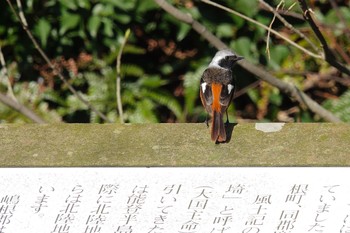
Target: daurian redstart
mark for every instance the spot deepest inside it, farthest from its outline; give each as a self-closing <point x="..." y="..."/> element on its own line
<point x="217" y="87"/>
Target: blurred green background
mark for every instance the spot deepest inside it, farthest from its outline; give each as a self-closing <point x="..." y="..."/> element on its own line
<point x="163" y="60"/>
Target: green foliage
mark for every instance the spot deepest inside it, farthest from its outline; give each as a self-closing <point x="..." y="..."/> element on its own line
<point x="28" y="94"/>
<point x="162" y="62"/>
<point x="144" y="96"/>
<point x="42" y="29"/>
<point x="248" y="8"/>
<point x="340" y="106"/>
<point x="192" y="88"/>
<point x="278" y="54"/>
<point x="246" y="48"/>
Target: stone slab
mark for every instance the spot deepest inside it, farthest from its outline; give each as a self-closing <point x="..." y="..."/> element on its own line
<point x="315" y="144"/>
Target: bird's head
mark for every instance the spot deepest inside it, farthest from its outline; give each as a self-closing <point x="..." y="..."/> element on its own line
<point x="225" y="59"/>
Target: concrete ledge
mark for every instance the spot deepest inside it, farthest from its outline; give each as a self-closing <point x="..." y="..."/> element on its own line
<point x="173" y="145"/>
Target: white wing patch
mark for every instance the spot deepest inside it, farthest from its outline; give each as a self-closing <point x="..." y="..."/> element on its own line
<point x="230" y="88"/>
<point x="204" y="86"/>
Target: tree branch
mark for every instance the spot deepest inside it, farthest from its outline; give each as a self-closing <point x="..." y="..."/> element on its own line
<point x="10" y="99"/>
<point x="118" y="91"/>
<point x="21" y="18"/>
<point x="20" y="108"/>
<point x="5" y="73"/>
<point x="287" y="88"/>
<point x="265" y="27"/>
<point x="287" y="24"/>
<point x="187" y="18"/>
<point x="283" y="12"/>
<point x="329" y="56"/>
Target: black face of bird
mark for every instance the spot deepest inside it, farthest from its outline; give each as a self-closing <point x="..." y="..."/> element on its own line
<point x="229" y="61"/>
<point x="224" y="59"/>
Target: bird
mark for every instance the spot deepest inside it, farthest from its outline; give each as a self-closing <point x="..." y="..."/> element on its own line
<point x="217" y="86"/>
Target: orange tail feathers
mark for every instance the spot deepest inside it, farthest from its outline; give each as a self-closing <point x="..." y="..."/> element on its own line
<point x="218" y="132"/>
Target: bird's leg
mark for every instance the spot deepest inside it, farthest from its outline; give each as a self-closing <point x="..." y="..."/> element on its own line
<point x="207" y="120"/>
<point x="227" y="122"/>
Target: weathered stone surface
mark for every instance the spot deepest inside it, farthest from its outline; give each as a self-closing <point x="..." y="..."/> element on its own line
<point x="314" y="144"/>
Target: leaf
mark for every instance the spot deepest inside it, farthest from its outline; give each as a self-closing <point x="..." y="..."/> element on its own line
<point x="152" y="82"/>
<point x="249" y="8"/>
<point x="145" y="5"/>
<point x="103" y="10"/>
<point x="260" y="31"/>
<point x="254" y="95"/>
<point x="246" y="48"/>
<point x="43" y="29"/>
<point x="121" y="4"/>
<point x="238" y="21"/>
<point x="242" y="46"/>
<point x="133" y="49"/>
<point x="225" y="30"/>
<point x="75" y="104"/>
<point x="69" y="21"/>
<point x="165" y="99"/>
<point x="144" y="112"/>
<point x="93" y="25"/>
<point x="131" y="70"/>
<point x="54" y="97"/>
<point x="277" y="54"/>
<point x="85" y="4"/>
<point x="183" y="31"/>
<point x="128" y="96"/>
<point x="276" y="98"/>
<point x="166" y="69"/>
<point x="305" y="116"/>
<point x="108" y="27"/>
<point x="69" y="4"/>
<point x="340" y="107"/>
<point x="122" y="18"/>
<point x="191" y="84"/>
<point x="332" y="19"/>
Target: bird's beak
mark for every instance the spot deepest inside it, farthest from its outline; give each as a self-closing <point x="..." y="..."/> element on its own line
<point x="235" y="58"/>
